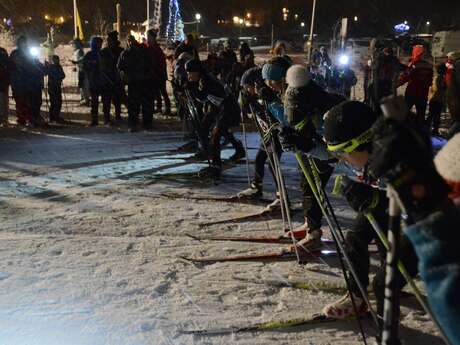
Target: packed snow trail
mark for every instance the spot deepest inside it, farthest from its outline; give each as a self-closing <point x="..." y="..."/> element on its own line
<point x="90" y="249"/>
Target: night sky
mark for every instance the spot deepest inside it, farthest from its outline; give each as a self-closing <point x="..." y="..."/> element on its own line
<point x="380" y="13"/>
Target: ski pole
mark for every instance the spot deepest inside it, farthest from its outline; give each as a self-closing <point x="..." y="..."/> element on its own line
<point x="284" y="200"/>
<point x="245" y="142"/>
<point x="339" y="244"/>
<point x="402" y="269"/>
<point x="418" y="294"/>
<point x="390" y="332"/>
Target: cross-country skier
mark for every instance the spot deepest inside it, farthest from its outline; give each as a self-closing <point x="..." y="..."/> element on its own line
<point x="427" y="189"/>
<point x="348" y="134"/>
<point x="303" y="101"/>
<point x="267" y="84"/>
<point x="223" y="112"/>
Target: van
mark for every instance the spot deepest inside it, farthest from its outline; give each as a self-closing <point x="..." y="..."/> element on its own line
<point x="445" y="42"/>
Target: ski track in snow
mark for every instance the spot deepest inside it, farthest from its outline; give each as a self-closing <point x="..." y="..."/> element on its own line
<point x="89" y="254"/>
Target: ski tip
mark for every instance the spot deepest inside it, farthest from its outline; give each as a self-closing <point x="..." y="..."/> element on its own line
<point x="196" y="261"/>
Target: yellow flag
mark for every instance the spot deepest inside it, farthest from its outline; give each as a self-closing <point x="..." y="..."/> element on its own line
<point x="80" y="34"/>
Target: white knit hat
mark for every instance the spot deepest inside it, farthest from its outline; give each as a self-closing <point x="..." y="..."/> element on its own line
<point x="447" y="160"/>
<point x="298" y="76"/>
<point x="454" y="55"/>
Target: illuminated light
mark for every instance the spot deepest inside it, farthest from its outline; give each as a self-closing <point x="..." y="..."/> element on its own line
<point x="355" y="18"/>
<point x="405" y="22"/>
<point x="428" y="23"/>
<point x="47" y="17"/>
<point x="296" y="16"/>
<point x="241" y="21"/>
<point x="400" y="28"/>
<point x="198" y="16"/>
<point x="236" y="19"/>
<point x="344" y="60"/>
<point x="61" y="20"/>
<point x="175" y="26"/>
<point x="249" y="15"/>
<point x="302" y="24"/>
<point x="34" y="51"/>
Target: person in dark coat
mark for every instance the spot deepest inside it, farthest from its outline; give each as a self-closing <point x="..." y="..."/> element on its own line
<point x="223" y="113"/>
<point x="26" y="75"/>
<point x="55" y="77"/>
<point x="159" y="59"/>
<point x="78" y="55"/>
<point x="245" y="50"/>
<point x="229" y="60"/>
<point x="138" y="71"/>
<point x="187" y="47"/>
<point x="112" y="87"/>
<point x="92" y="68"/>
<point x="4" y="86"/>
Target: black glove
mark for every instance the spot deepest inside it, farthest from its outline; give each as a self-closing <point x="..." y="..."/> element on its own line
<point x="266" y="94"/>
<point x="361" y="197"/>
<point x="291" y="140"/>
<point x="404" y="158"/>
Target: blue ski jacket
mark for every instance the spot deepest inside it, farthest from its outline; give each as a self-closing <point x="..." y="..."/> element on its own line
<point x="435" y="240"/>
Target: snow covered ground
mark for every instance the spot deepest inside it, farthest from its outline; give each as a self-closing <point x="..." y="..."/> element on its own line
<point x="90" y="251"/>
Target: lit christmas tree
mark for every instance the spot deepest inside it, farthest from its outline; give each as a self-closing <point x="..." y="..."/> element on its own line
<point x="175" y="27"/>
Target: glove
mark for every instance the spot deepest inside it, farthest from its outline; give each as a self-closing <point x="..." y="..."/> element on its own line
<point x="288" y="139"/>
<point x="266" y="94"/>
<point x="291" y="140"/>
<point x="361" y="197"/>
<point x="403" y="157"/>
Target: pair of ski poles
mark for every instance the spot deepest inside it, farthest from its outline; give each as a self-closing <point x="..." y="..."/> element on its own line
<point x="275" y="165"/>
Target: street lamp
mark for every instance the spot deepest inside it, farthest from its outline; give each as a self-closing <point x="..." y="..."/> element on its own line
<point x="302" y="24"/>
<point x="355" y="18"/>
<point x="198" y="18"/>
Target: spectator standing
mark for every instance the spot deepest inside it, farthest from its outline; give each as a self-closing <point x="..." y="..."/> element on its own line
<point x="92" y="68"/>
<point x="159" y="59"/>
<point x="4" y="86"/>
<point x="55" y="77"/>
<point x="418" y="76"/>
<point x="26" y="75"/>
<point x="138" y="71"/>
<point x="83" y="84"/>
<point x="112" y="87"/>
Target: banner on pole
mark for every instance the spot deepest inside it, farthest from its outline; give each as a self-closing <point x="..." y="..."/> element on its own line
<point x="79" y="32"/>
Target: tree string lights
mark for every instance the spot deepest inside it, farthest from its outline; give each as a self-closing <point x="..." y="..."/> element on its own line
<point x="175" y="27"/>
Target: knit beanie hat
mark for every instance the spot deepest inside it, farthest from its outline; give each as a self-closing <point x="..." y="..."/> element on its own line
<point x="447" y="162"/>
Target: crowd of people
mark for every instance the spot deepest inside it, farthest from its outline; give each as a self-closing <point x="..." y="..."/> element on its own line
<point x="304" y="108"/>
<point x="104" y="75"/>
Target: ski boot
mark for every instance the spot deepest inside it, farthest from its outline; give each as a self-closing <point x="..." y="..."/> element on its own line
<point x="239" y="153"/>
<point x="343" y="308"/>
<point x="255" y="191"/>
<point x="275" y="205"/>
<point x="309" y="237"/>
<point x="212" y="171"/>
